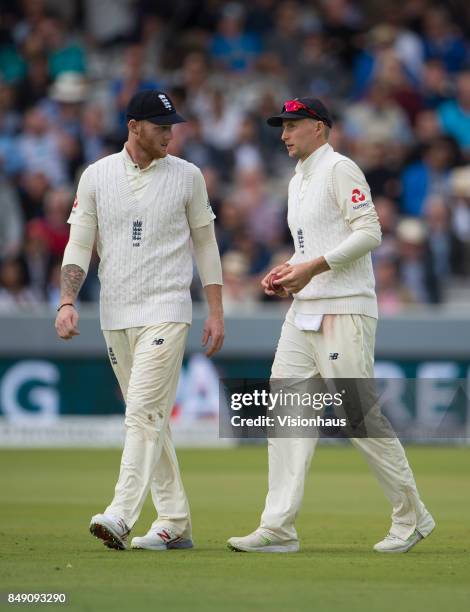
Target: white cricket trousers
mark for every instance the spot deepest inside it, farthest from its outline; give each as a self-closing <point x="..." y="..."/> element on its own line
<point x="147" y="363"/>
<point x="342" y="348"/>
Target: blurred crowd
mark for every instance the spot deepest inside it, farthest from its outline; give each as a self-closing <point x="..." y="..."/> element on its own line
<point x="396" y="77"/>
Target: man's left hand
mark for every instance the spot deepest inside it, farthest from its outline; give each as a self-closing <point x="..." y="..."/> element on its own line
<point x="297" y="276"/>
<point x="213" y="330"/>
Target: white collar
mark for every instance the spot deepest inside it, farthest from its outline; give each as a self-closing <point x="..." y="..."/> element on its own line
<point x="307" y="166"/>
<point x="130" y="162"/>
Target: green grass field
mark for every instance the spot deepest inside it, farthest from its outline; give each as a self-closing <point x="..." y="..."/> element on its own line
<point x="48" y="498"/>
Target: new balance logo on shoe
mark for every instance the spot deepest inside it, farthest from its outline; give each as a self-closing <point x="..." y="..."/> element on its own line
<point x="334" y="356"/>
<point x="165" y="536"/>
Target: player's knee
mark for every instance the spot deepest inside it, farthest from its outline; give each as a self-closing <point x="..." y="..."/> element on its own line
<point x="147" y="422"/>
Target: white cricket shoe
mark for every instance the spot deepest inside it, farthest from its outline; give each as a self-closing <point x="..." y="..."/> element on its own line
<point x="394" y="544"/>
<point x="161" y="538"/>
<point x="260" y="541"/>
<point x="111" y="529"/>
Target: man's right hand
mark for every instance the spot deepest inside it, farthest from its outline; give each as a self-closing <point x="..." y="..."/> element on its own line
<point x="66" y="323"/>
<point x="265" y="281"/>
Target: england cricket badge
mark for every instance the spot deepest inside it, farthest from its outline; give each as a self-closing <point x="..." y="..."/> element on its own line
<point x="136" y="233"/>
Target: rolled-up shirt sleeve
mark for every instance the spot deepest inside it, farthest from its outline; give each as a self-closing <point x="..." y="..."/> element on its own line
<point x="84" y="224"/>
<point x="84" y="206"/>
<point x="354" y="199"/>
<point x="199" y="210"/>
<point x="206" y="253"/>
<point x="79" y="247"/>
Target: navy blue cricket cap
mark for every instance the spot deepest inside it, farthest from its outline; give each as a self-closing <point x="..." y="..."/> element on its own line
<point x="154" y="106"/>
<point x="302" y="108"/>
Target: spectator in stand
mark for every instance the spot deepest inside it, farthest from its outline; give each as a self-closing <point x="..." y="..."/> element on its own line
<point x="435" y="85"/>
<point x="34" y="87"/>
<point x="417" y="271"/>
<point x="11" y="162"/>
<point x="14" y="292"/>
<point x="33" y="12"/>
<point x="376" y="118"/>
<point x="443" y="40"/>
<point x="427" y="127"/>
<point x="230" y="224"/>
<point x="195" y="148"/>
<point x="56" y="212"/>
<point x="387" y="212"/>
<point x="379" y="169"/>
<point x="428" y="175"/>
<point x="257" y="254"/>
<point x="194" y="77"/>
<point x="379" y="44"/>
<point x="33" y="187"/>
<point x="460" y="210"/>
<point x="447" y="250"/>
<point x="260" y="16"/>
<point x="407" y="45"/>
<point x="402" y="89"/>
<point x="454" y="115"/>
<point x="65" y="111"/>
<point x="110" y="22"/>
<point x="66" y="98"/>
<point x="342" y="22"/>
<point x="237" y="289"/>
<point x="231" y="47"/>
<point x="53" y="285"/>
<point x="94" y="141"/>
<point x="12" y="64"/>
<point x="220" y="124"/>
<point x="132" y="80"/>
<point x="318" y="71"/>
<point x="39" y="148"/>
<point x="392" y="294"/>
<point x="36" y="257"/>
<point x="11" y="226"/>
<point x="285" y="38"/>
<point x="64" y="54"/>
<point x="247" y="153"/>
<point x="272" y="147"/>
<point x="10" y="118"/>
<point x="263" y="211"/>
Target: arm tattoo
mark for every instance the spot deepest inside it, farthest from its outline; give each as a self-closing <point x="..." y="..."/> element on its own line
<point x="71" y="280"/>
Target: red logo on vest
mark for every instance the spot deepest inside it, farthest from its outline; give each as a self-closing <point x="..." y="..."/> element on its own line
<point x="75" y="202"/>
<point x="357" y="196"/>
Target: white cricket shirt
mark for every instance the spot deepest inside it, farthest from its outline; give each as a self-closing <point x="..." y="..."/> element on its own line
<point x="331" y="214"/>
<point x="143" y="220"/>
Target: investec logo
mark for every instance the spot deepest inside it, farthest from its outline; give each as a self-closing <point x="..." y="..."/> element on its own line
<point x="166" y="103"/>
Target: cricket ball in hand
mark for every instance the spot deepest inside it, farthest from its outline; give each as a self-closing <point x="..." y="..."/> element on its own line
<point x="272" y="287"/>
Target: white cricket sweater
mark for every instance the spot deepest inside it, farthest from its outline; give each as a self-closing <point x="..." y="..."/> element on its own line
<point x="329" y="199"/>
<point x="143" y="243"/>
